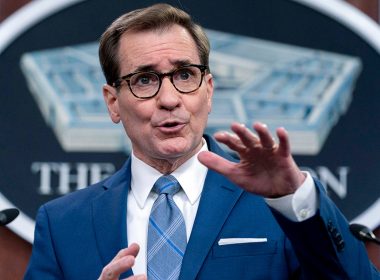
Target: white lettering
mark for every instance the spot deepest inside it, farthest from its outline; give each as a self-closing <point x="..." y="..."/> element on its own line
<point x="44" y="168"/>
<point x="62" y="177"/>
<point x="339" y="186"/>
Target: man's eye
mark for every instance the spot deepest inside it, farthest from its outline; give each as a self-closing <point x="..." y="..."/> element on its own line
<point x="184" y="74"/>
<point x="144" y="79"/>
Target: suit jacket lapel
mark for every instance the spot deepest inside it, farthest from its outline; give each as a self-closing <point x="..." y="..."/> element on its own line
<point x="216" y="203"/>
<point x="109" y="215"/>
<point x="218" y="199"/>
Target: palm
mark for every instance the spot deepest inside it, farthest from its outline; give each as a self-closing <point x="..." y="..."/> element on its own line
<point x="265" y="168"/>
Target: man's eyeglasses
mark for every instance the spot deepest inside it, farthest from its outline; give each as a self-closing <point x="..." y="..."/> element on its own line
<point x="146" y="84"/>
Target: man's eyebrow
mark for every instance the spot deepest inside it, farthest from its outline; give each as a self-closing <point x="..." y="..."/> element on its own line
<point x="147" y="67"/>
<point x="153" y="67"/>
<point x="179" y="63"/>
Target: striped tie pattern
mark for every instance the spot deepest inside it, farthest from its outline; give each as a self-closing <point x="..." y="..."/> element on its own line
<point x="166" y="232"/>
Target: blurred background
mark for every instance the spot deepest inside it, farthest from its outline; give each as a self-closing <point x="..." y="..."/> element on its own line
<point x="15" y="248"/>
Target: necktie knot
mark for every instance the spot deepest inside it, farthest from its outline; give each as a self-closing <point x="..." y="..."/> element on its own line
<point x="166" y="184"/>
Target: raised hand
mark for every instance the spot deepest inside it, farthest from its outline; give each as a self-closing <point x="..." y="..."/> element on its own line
<point x="265" y="168"/>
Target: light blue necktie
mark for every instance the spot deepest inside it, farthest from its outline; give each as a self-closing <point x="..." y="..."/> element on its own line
<point x="166" y="232"/>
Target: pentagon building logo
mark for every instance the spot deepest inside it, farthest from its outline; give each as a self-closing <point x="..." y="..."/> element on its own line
<point x="302" y="89"/>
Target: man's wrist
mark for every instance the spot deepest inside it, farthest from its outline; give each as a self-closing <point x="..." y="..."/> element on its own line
<point x="299" y="206"/>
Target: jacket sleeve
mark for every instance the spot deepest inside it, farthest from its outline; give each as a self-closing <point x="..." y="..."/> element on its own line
<point x="43" y="263"/>
<point x="324" y="245"/>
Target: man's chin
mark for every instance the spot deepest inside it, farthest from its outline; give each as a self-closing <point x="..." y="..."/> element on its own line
<point x="175" y="148"/>
<point x="173" y="152"/>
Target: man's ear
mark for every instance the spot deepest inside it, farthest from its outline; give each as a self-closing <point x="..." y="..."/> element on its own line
<point x="110" y="96"/>
<point x="210" y="90"/>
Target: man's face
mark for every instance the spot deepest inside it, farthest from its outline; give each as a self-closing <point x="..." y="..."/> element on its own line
<point x="170" y="125"/>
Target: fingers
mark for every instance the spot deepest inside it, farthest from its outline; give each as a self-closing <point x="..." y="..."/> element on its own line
<point x="231" y="140"/>
<point x="241" y="140"/>
<point x="244" y="139"/>
<point x="246" y="136"/>
<point x="132" y="250"/>
<point x="266" y="139"/>
<point x="123" y="261"/>
<point x="216" y="162"/>
<point x="137" y="277"/>
<point x="283" y="139"/>
<point x="115" y="268"/>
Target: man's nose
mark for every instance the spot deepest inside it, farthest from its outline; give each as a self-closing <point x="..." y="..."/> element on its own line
<point x="168" y="96"/>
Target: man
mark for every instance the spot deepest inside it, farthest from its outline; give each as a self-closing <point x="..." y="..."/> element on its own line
<point x="218" y="225"/>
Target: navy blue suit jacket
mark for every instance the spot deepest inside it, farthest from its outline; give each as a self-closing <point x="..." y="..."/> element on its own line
<point x="78" y="234"/>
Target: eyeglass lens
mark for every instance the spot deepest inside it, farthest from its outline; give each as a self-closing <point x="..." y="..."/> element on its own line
<point x="185" y="79"/>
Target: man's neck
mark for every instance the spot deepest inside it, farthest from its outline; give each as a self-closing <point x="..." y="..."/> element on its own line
<point x="167" y="166"/>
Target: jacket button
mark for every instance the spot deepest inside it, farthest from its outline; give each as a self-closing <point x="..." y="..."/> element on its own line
<point x="340" y="245"/>
<point x="330" y="227"/>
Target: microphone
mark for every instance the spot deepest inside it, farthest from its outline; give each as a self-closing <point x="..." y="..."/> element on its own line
<point x="8" y="215"/>
<point x="363" y="233"/>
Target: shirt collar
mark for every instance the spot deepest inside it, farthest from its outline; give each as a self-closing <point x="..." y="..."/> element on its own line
<point x="191" y="175"/>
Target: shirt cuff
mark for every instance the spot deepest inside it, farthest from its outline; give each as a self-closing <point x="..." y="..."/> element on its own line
<point x="299" y="206"/>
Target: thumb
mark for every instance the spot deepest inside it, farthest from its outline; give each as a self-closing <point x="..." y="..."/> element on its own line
<point x="216" y="162"/>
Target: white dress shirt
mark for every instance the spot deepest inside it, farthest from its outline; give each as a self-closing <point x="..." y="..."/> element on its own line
<point x="191" y="175"/>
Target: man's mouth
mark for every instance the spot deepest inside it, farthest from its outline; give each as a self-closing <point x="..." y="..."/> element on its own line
<point x="171" y="126"/>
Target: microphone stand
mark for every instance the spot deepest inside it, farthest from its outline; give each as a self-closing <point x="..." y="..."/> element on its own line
<point x="363" y="233"/>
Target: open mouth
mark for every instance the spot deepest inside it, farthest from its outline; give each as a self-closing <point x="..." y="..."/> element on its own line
<point x="171" y="127"/>
<point x="171" y="124"/>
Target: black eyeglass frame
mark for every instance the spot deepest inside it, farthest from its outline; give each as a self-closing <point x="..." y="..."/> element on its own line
<point x="127" y="78"/>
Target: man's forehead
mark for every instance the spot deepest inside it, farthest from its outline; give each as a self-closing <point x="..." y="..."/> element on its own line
<point x="149" y="50"/>
<point x="174" y="33"/>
